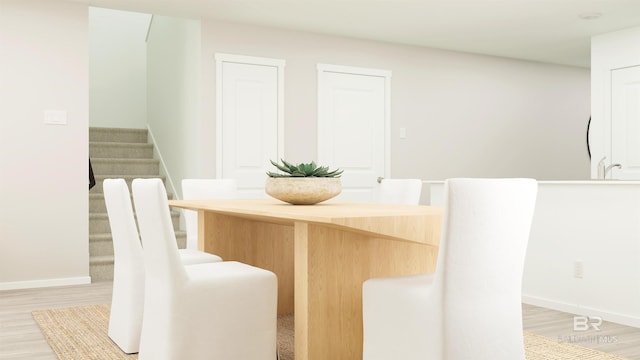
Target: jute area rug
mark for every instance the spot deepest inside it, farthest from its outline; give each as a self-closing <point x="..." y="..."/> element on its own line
<point x="80" y="333"/>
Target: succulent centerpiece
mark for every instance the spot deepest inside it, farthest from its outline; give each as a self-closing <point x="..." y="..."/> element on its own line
<point x="304" y="183"/>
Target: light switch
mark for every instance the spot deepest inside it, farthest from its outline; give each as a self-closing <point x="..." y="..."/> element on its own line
<point x="403" y="133"/>
<point x="55" y="117"/>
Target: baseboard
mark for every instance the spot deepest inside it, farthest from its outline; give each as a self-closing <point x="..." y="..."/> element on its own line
<point x="32" y="284"/>
<point x="623" y="319"/>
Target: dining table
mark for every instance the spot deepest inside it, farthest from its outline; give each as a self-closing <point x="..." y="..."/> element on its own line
<point x="321" y="255"/>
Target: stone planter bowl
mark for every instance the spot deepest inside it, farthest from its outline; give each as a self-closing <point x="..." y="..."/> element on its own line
<point x="303" y="190"/>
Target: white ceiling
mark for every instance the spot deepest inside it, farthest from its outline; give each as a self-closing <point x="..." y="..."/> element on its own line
<point x="539" y="30"/>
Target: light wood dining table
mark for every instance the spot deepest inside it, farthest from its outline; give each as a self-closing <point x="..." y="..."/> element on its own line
<point x="321" y="255"/>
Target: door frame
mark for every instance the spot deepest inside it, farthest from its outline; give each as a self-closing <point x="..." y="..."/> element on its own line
<point x="626" y="172"/>
<point x="386" y="74"/>
<point x="222" y="58"/>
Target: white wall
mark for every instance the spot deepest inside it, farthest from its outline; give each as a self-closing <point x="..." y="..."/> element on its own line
<point x="609" y="51"/>
<point x="596" y="224"/>
<point x="465" y="115"/>
<point x="173" y="54"/>
<point x="44" y="184"/>
<point x="118" y="71"/>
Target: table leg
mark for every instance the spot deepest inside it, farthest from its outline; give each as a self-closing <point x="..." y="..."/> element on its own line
<point x="330" y="266"/>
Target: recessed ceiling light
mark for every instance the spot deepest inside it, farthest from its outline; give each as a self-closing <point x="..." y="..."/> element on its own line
<point x="590" y="15"/>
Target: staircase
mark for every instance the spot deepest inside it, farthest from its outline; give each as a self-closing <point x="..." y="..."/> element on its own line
<point x="117" y="153"/>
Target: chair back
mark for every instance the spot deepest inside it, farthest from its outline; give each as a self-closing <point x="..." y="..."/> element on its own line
<point x="127" y="300"/>
<point x="204" y="189"/>
<point x="400" y="191"/>
<point x="162" y="260"/>
<point x="480" y="266"/>
<point x="126" y="241"/>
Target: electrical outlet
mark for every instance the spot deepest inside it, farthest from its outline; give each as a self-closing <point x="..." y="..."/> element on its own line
<point x="578" y="269"/>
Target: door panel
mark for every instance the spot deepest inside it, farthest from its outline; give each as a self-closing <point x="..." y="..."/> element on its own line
<point x="625" y="123"/>
<point x="353" y="118"/>
<point x="249" y="123"/>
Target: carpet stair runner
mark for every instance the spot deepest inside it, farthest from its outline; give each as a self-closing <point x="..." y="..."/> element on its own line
<point x="117" y="153"/>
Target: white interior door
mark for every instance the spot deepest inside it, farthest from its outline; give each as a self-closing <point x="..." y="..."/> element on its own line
<point x="249" y="129"/>
<point x="353" y="126"/>
<point x="625" y="123"/>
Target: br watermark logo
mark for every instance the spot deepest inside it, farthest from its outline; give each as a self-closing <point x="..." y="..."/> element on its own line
<point x="584" y="323"/>
<point x="588" y="323"/>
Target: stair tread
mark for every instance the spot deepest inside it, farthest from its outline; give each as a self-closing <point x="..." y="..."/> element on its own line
<point x="127" y="160"/>
<point x="120" y="144"/>
<point x="101" y="195"/>
<point x="96" y="259"/>
<point x="108" y="236"/>
<point x="104" y="215"/>
<point x="100" y="237"/>
<point x="128" y="177"/>
<point x="115" y="129"/>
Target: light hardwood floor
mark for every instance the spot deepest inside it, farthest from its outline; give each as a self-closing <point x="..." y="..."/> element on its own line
<point x="20" y="337"/>
<point x="610" y="338"/>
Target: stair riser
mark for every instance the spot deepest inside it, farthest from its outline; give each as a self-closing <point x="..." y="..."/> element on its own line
<point x="120" y="151"/>
<point x="97" y="206"/>
<point x="126" y="168"/>
<point x="101" y="272"/>
<point x="118" y="135"/>
<point x="101" y="247"/>
<point x="101" y="225"/>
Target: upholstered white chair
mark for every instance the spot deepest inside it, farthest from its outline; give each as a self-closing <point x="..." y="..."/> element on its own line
<point x="204" y="189"/>
<point x="471" y="307"/>
<point x="125" y="320"/>
<point x="399" y="191"/>
<point x="224" y="310"/>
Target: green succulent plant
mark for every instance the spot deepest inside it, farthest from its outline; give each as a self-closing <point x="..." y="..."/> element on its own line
<point x="303" y="170"/>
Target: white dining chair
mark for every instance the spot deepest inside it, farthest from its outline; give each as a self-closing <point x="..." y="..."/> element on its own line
<point x="399" y="191"/>
<point x="204" y="189"/>
<point x="223" y="310"/>
<point x="125" y="319"/>
<point x="470" y="308"/>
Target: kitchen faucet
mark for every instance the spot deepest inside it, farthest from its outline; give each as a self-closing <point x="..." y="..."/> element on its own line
<point x="603" y="171"/>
